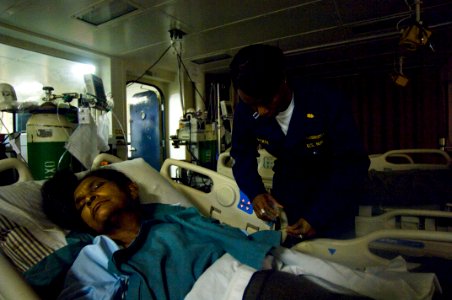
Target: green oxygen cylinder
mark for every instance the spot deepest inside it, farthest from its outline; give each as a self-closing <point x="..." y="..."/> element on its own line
<point x="48" y="130"/>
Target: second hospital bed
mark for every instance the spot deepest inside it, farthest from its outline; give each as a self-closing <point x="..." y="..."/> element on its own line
<point x="406" y="209"/>
<point x="30" y="236"/>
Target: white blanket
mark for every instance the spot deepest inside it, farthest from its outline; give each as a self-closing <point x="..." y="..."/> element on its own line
<point x="227" y="278"/>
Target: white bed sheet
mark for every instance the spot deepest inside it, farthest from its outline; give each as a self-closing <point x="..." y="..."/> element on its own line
<point x="227" y="278"/>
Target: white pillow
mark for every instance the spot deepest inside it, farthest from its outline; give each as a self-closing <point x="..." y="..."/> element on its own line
<point x="21" y="202"/>
<point x="153" y="187"/>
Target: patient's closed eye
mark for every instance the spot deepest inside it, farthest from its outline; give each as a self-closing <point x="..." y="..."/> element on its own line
<point x="97" y="185"/>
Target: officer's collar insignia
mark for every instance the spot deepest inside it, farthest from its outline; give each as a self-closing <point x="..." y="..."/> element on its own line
<point x="262" y="141"/>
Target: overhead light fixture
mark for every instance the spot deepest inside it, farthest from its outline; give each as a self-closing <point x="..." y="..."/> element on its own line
<point x="398" y="77"/>
<point x="79" y="69"/>
<point x="106" y="11"/>
<point x="206" y="60"/>
<point x="415" y="35"/>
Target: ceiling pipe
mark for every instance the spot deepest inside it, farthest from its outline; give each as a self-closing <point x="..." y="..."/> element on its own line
<point x="355" y="40"/>
<point x="417" y="4"/>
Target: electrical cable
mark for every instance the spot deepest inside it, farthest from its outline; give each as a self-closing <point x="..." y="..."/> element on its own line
<point x="180" y="63"/>
<point x="179" y="58"/>
<point x="153" y="65"/>
<point x="59" y="120"/>
<point x="211" y="106"/>
<point x="410" y="10"/>
<point x="120" y="126"/>
<point x="179" y="77"/>
<point x="189" y="143"/>
<point x="60" y="160"/>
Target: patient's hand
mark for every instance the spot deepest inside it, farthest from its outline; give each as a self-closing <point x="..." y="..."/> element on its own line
<point x="266" y="207"/>
<point x="301" y="229"/>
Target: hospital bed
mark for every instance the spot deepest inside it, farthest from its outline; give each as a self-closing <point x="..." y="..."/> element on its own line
<point x="418" y="179"/>
<point x="406" y="209"/>
<point x="26" y="236"/>
<point x="406" y="188"/>
<point x="35" y="236"/>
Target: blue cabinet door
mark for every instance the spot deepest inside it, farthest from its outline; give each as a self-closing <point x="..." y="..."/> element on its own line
<point x="146" y="129"/>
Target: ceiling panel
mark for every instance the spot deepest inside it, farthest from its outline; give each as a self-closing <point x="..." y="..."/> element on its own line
<point x="200" y="15"/>
<point x="352" y="11"/>
<point x="335" y="29"/>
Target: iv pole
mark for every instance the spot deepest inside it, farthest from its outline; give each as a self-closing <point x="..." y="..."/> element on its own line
<point x="219" y="123"/>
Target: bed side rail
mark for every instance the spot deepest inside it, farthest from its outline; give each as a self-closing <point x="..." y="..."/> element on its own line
<point x="265" y="163"/>
<point x="21" y="167"/>
<point x="410" y="159"/>
<point x="223" y="200"/>
<point x="356" y="253"/>
<point x="12" y="284"/>
<point x="417" y="219"/>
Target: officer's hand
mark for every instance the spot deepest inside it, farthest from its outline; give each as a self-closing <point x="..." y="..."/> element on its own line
<point x="266" y="207"/>
<point x="301" y="229"/>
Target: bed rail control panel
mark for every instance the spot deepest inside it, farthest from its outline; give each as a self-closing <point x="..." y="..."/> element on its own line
<point x="245" y="203"/>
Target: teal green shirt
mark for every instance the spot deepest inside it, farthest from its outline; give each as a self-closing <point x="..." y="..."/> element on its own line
<point x="174" y="247"/>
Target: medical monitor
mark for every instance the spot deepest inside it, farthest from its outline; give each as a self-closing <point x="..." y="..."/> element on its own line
<point x="95" y="87"/>
<point x="226" y="109"/>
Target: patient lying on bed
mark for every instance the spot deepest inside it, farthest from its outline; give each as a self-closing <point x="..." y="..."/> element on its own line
<point x="160" y="251"/>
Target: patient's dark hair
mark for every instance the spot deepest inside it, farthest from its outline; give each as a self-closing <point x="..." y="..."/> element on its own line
<point x="258" y="70"/>
<point x="58" y="196"/>
<point x="58" y="200"/>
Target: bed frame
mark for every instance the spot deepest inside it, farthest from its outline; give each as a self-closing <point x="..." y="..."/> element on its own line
<point x="393" y="160"/>
<point x="222" y="202"/>
<point x="410" y="159"/>
<point x="409" y="174"/>
<point x="265" y="163"/>
<point x="12" y="285"/>
<point x="23" y="172"/>
<point x="357" y="253"/>
<point x="410" y="222"/>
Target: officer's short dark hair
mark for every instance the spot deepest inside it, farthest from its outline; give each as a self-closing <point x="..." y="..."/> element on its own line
<point x="258" y="70"/>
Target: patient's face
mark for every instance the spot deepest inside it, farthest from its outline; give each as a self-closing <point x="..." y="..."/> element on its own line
<point x="99" y="201"/>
